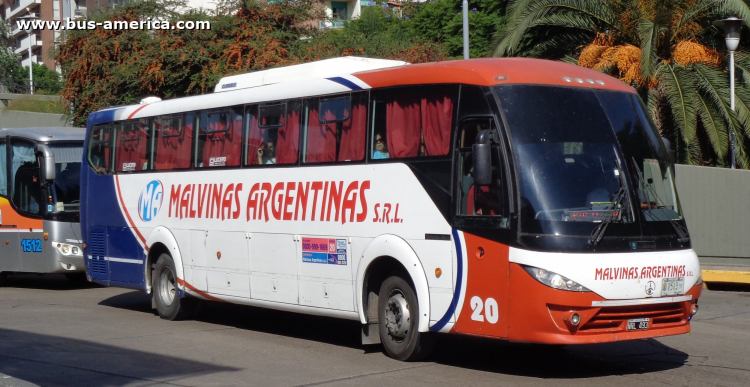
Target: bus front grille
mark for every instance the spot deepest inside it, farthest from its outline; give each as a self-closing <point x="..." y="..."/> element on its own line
<point x="610" y="319"/>
<point x="97" y="248"/>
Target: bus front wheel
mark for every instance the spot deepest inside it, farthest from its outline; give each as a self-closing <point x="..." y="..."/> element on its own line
<point x="165" y="292"/>
<point x="398" y="317"/>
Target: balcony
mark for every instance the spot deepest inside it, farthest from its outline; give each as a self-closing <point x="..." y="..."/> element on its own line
<point x="20" y="7"/>
<point x="325" y="24"/>
<point x="22" y="45"/>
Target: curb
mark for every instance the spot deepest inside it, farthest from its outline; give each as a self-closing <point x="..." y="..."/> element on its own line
<point x="726" y="276"/>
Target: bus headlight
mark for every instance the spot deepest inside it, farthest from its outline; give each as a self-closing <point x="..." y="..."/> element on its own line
<point x="68" y="249"/>
<point x="554" y="280"/>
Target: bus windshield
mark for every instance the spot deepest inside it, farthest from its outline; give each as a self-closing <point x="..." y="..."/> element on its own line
<point x="67" y="189"/>
<point x="586" y="156"/>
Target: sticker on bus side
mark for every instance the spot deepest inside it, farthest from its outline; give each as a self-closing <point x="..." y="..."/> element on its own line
<point x="31" y="245"/>
<point x="323" y="250"/>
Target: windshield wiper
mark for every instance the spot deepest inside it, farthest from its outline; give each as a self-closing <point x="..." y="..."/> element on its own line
<point x="644" y="188"/>
<point x="598" y="233"/>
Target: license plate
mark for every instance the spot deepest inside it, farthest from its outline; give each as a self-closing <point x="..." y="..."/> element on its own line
<point x="672" y="286"/>
<point x="638" y="324"/>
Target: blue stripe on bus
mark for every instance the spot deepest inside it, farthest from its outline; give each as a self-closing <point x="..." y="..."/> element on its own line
<point x="101" y="116"/>
<point x="456" y="293"/>
<point x="345" y="82"/>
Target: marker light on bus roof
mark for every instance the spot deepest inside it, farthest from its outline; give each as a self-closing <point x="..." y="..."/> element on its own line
<point x="554" y="280"/>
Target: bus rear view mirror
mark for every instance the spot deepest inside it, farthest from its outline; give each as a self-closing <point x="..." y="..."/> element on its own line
<point x="46" y="162"/>
<point x="482" y="159"/>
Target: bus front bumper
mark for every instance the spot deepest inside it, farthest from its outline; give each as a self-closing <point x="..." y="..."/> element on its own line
<point x="540" y="314"/>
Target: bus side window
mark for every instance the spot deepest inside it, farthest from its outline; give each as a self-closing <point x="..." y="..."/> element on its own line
<point x="414" y="121"/>
<point x="274" y="137"/>
<point x="174" y="141"/>
<point x="477" y="200"/>
<point x="26" y="187"/>
<point x="3" y="169"/>
<point x="132" y="143"/>
<point x="336" y="128"/>
<point x="100" y="146"/>
<point x="220" y="138"/>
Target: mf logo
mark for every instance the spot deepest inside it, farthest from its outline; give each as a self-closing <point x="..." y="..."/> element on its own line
<point x="650" y="288"/>
<point x="149" y="203"/>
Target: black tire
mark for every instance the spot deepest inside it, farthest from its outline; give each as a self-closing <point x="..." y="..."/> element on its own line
<point x="400" y="337"/>
<point x="164" y="291"/>
<point x="3" y="278"/>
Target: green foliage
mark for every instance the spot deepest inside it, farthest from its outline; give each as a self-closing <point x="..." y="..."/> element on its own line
<point x="46" y="81"/>
<point x="441" y="21"/>
<point x="115" y="67"/>
<point x="375" y="34"/>
<point x="30" y="104"/>
<point x="688" y="95"/>
<point x="11" y="73"/>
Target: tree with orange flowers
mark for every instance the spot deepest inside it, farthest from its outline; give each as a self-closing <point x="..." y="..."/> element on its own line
<point x="667" y="50"/>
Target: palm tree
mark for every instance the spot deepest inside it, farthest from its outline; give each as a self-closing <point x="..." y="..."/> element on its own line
<point x="667" y="50"/>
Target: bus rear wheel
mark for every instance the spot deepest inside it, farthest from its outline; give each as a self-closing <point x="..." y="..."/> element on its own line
<point x="398" y="316"/>
<point x="3" y="278"/>
<point x="165" y="292"/>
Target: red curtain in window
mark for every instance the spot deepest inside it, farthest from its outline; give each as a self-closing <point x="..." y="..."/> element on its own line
<point x="321" y="139"/>
<point x="403" y="123"/>
<point x="173" y="147"/>
<point x="223" y="143"/>
<point x="131" y="149"/>
<point x="437" y="120"/>
<point x="287" y="143"/>
<point x="352" y="147"/>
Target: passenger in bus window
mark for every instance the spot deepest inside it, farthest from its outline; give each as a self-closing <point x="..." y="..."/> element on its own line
<point x="267" y="154"/>
<point x="381" y="152"/>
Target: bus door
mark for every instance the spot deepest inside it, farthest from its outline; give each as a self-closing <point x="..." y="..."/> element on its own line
<point x="483" y="215"/>
<point x="28" y="198"/>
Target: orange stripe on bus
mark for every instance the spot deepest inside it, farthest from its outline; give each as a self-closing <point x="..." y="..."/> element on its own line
<point x="136" y="111"/>
<point x="130" y="221"/>
<point x="493" y="71"/>
<point x="11" y="219"/>
<point x="201" y="293"/>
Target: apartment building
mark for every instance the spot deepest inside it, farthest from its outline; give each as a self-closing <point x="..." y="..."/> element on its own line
<point x="34" y="46"/>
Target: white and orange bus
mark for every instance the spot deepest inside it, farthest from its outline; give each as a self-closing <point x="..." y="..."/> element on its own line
<point x="517" y="199"/>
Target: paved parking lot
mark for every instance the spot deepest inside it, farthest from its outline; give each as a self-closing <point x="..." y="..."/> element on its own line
<point x="56" y="333"/>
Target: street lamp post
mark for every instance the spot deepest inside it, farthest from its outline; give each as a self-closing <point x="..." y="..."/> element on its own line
<point x="732" y="27"/>
<point x="466" y="28"/>
<point x="30" y="17"/>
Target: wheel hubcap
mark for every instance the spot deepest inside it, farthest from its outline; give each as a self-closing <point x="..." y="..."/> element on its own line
<point x="397" y="317"/>
<point x="167" y="288"/>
